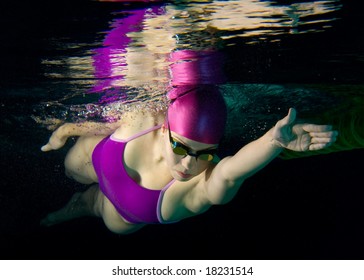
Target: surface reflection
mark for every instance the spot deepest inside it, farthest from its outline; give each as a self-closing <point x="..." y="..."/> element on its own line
<point x="135" y="51"/>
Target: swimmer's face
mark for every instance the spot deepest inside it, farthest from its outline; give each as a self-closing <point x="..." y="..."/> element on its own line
<point x="184" y="167"/>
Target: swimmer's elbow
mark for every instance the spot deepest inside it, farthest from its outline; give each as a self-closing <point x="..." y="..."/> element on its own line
<point x="223" y="192"/>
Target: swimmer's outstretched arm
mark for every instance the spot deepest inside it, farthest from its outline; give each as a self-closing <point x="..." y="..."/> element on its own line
<point x="62" y="133"/>
<point x="230" y="173"/>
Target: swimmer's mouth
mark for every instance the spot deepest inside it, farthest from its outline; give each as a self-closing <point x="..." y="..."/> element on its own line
<point x="183" y="175"/>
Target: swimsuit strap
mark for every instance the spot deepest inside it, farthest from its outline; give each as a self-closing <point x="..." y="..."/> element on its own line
<point x="159" y="204"/>
<point x="136" y="135"/>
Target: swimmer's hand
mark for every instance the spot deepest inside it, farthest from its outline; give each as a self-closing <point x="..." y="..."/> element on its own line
<point x="57" y="139"/>
<point x="302" y="137"/>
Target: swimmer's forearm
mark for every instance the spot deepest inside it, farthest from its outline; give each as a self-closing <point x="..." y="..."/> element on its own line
<point x="87" y="129"/>
<point x="252" y="158"/>
<point x="61" y="134"/>
<point x="231" y="172"/>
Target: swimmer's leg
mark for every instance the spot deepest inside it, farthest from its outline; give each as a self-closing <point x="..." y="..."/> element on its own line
<point x="80" y="205"/>
<point x="92" y="203"/>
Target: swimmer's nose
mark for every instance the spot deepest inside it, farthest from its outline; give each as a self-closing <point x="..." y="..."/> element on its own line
<point x="188" y="161"/>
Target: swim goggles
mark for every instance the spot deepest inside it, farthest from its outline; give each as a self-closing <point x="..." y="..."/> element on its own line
<point x="179" y="149"/>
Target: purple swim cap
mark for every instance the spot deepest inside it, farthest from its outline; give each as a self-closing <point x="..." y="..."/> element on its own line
<point x="198" y="113"/>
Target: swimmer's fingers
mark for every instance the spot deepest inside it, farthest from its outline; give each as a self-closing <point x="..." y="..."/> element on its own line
<point x="319" y="146"/>
<point x="46" y="148"/>
<point x="329" y="135"/>
<point x="289" y="119"/>
<point x="282" y="129"/>
<point x="51" y="146"/>
<point x="320" y="136"/>
<point x="316" y="128"/>
<point x="321" y="140"/>
<point x="55" y="142"/>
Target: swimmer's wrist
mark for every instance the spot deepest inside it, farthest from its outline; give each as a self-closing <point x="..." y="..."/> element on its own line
<point x="64" y="131"/>
<point x="276" y="143"/>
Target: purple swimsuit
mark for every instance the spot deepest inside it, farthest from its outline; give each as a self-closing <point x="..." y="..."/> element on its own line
<point x="134" y="203"/>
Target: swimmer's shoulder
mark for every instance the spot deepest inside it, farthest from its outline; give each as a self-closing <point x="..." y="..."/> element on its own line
<point x="135" y="122"/>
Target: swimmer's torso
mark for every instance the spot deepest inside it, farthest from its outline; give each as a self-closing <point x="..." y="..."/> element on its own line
<point x="144" y="162"/>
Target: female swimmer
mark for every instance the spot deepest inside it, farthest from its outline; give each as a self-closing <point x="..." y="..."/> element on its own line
<point x="162" y="167"/>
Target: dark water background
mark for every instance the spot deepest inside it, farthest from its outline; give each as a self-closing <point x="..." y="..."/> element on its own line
<point x="307" y="208"/>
